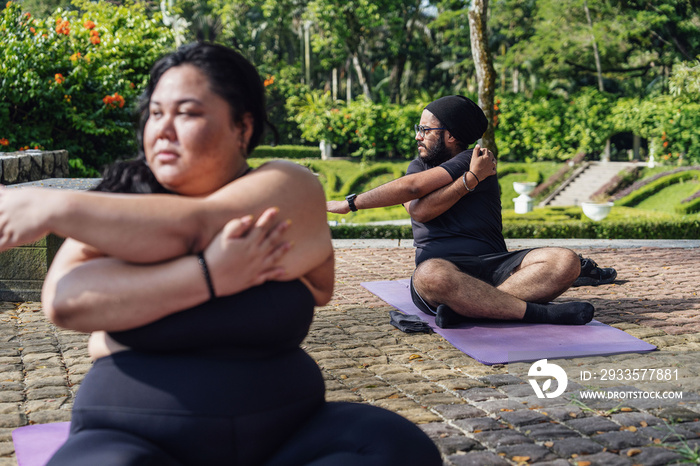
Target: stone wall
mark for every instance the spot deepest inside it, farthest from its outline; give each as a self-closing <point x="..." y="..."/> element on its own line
<point x="23" y="269"/>
<point x="33" y="165"/>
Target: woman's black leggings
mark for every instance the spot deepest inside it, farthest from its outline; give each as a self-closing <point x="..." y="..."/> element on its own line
<point x="138" y="409"/>
<point x="226" y="383"/>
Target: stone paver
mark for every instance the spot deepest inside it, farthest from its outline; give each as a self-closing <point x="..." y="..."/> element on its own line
<point x="476" y="414"/>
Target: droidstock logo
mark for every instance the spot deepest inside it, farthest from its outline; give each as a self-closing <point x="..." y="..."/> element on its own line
<point x="542" y="368"/>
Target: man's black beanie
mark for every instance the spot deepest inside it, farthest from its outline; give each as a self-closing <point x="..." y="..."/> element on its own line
<point x="463" y="118"/>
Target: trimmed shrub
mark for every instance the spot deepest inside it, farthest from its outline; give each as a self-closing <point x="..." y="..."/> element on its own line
<point x="286" y="152"/>
<point x="364" y="176"/>
<point x="372" y="232"/>
<point x="645" y="181"/>
<point x="645" y="229"/>
<point x="689" y="205"/>
<point x="635" y="197"/>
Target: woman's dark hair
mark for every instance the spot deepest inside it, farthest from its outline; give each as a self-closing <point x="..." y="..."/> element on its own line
<point x="230" y="75"/>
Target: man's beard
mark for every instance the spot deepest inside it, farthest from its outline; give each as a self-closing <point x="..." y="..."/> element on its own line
<point x="437" y="154"/>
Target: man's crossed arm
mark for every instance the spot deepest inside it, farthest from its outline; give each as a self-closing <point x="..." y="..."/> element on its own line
<point x="425" y="195"/>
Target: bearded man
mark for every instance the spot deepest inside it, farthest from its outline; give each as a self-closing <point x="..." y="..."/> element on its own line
<point x="463" y="267"/>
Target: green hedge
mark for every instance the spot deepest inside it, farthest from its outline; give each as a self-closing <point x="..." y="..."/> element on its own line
<point x="647" y="229"/>
<point x="371" y="232"/>
<point x="689" y="207"/>
<point x="286" y="152"/>
<point x="649" y="190"/>
<point x="362" y="177"/>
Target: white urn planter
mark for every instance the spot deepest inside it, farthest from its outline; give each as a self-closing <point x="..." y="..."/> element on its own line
<point x="523" y="203"/>
<point x="596" y="211"/>
<point x="326" y="150"/>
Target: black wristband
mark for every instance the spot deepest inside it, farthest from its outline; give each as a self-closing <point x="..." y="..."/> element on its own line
<point x="205" y="272"/>
<point x="351" y="201"/>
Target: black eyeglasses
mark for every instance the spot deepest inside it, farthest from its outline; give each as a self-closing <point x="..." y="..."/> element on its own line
<point x="420" y="129"/>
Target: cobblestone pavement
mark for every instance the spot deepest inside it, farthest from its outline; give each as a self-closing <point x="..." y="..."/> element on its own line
<point x="476" y="414"/>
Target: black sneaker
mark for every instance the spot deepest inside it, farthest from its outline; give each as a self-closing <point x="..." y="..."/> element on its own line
<point x="592" y="275"/>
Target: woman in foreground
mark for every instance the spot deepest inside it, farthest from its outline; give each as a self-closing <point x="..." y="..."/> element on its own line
<point x="198" y="287"/>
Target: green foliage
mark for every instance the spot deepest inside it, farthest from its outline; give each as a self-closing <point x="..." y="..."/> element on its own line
<point x="553" y="127"/>
<point x="360" y="128"/>
<point x="685" y="80"/>
<point x="286" y="152"/>
<point x="79" y="170"/>
<point x="70" y="80"/>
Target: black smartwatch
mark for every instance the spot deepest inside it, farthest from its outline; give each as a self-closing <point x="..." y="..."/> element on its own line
<point x="351" y="201"/>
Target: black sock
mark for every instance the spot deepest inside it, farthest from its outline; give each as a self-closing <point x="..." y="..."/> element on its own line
<point x="572" y="313"/>
<point x="446" y="317"/>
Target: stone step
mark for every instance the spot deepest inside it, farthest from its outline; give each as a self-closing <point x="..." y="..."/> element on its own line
<point x="594" y="177"/>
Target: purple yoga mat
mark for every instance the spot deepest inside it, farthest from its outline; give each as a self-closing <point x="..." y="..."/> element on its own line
<point x="505" y="342"/>
<point x="36" y="444"/>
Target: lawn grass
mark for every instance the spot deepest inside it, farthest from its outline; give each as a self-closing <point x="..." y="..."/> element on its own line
<point x="666" y="199"/>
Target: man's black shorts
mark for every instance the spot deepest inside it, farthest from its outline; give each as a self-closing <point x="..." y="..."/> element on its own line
<point x="493" y="269"/>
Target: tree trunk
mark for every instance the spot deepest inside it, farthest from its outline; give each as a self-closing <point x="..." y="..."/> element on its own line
<point x="334" y="84"/>
<point x="307" y="53"/>
<point x="361" y="76"/>
<point x="348" y="83"/>
<point x="485" y="73"/>
<point x="395" y="79"/>
<point x="596" y="54"/>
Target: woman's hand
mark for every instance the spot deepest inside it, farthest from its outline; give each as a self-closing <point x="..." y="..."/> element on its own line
<point x="24" y="216"/>
<point x="244" y="254"/>
<point x="483" y="163"/>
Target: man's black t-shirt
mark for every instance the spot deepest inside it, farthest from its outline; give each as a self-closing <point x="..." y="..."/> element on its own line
<point x="471" y="227"/>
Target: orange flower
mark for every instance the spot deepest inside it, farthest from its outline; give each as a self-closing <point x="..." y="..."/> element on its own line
<point x="75" y="56"/>
<point x="63" y="27"/>
<point x="32" y="30"/>
<point x="67" y="98"/>
<point x="88" y="24"/>
<point x="3" y="141"/>
<point x="28" y="15"/>
<point x="7" y="5"/>
<point x="59" y="78"/>
<point x="269" y="81"/>
<point x="665" y="143"/>
<point x="495" y="107"/>
<point x="114" y="100"/>
<point x="94" y="33"/>
<point x="95" y="40"/>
